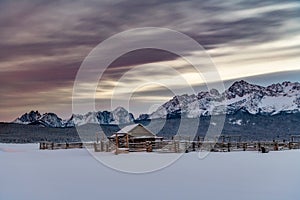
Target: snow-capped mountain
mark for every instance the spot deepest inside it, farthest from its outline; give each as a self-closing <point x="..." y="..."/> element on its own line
<point x="240" y="96"/>
<point x="50" y="119"/>
<point x="28" y="118"/>
<point x="118" y="116"/>
<point x="34" y="117"/>
<point x="88" y="118"/>
<point x="121" y="116"/>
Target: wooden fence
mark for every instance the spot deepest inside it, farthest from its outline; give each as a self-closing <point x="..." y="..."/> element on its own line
<point x="72" y="145"/>
<point x="177" y="146"/>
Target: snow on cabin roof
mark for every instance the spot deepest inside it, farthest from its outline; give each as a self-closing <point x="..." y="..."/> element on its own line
<point x="119" y="135"/>
<point x="128" y="128"/>
<point x="136" y="130"/>
<point x="146" y="137"/>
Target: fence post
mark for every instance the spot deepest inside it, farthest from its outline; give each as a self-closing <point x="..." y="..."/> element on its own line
<point x="290" y="145"/>
<point x="275" y="146"/>
<point x="107" y="147"/>
<point x="244" y="146"/>
<point x="175" y="147"/>
<point x="117" y="144"/>
<point x="95" y="147"/>
<point x="228" y="146"/>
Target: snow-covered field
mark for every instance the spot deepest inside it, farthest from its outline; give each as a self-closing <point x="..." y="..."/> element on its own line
<point x="29" y="173"/>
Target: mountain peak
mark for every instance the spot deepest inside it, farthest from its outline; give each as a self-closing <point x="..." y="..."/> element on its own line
<point x="120" y="109"/>
<point x="241" y="88"/>
<point x="28" y="118"/>
<point x="241" y="84"/>
<point x="51" y="119"/>
<point x="214" y="92"/>
<point x="121" y="116"/>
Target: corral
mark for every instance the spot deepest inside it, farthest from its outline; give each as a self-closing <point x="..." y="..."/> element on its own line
<point x="136" y="138"/>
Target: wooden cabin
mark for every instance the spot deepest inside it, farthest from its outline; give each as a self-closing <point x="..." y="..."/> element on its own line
<point x="134" y="136"/>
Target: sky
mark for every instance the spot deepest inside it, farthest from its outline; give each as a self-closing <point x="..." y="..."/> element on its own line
<point x="43" y="44"/>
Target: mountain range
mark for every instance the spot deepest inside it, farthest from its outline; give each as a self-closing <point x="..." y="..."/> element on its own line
<point x="240" y="97"/>
<point x="118" y="116"/>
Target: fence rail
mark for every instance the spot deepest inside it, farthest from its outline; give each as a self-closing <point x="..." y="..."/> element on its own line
<point x="176" y="146"/>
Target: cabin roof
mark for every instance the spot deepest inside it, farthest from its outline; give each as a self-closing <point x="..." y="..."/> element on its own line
<point x="136" y="130"/>
<point x="128" y="128"/>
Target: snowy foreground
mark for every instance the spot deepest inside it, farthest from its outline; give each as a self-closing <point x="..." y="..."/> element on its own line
<point x="29" y="173"/>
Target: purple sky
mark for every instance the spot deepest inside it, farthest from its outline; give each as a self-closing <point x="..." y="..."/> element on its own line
<point x="43" y="44"/>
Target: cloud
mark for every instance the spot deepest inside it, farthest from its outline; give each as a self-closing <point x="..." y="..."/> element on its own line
<point x="44" y="42"/>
